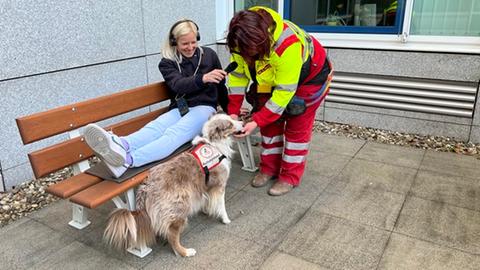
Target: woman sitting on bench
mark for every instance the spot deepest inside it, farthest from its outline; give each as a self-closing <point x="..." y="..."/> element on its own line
<point x="196" y="84"/>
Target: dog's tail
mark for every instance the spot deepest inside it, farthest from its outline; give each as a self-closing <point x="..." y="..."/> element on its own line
<point x="127" y="229"/>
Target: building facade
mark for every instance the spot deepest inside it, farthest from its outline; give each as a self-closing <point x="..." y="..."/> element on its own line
<point x="407" y="65"/>
<point x="54" y="53"/>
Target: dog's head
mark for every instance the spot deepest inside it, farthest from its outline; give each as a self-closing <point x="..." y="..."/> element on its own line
<point x="220" y="126"/>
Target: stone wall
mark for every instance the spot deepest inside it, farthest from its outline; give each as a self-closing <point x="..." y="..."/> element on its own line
<point x="58" y="52"/>
<point x="402" y="64"/>
<point x="422" y="65"/>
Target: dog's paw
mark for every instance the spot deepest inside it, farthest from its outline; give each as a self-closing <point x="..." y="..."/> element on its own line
<point x="191" y="252"/>
<point x="226" y="220"/>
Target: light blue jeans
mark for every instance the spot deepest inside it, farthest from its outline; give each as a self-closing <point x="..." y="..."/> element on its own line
<point x="162" y="136"/>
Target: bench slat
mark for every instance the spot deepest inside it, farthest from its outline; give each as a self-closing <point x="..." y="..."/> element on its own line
<point x="69" y="152"/>
<point x="58" y="156"/>
<point x="72" y="185"/>
<point x="45" y="124"/>
<point x="104" y="191"/>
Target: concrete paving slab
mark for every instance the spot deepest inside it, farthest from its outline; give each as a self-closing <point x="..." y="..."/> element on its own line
<point x="361" y="204"/>
<point x="340" y="217"/>
<point x="261" y="218"/>
<point x="338" y="145"/>
<point x="327" y="164"/>
<point x="312" y="184"/>
<point x="392" y="154"/>
<point x="26" y="242"/>
<point x="335" y="243"/>
<point x="440" y="223"/>
<point x="283" y="261"/>
<point x="404" y="252"/>
<point x="216" y="249"/>
<point x="79" y="256"/>
<point x="378" y="175"/>
<point x="238" y="177"/>
<point x="93" y="239"/>
<point x="454" y="190"/>
<point x="451" y="164"/>
<point x="58" y="214"/>
<point x="93" y="234"/>
<point x="230" y="192"/>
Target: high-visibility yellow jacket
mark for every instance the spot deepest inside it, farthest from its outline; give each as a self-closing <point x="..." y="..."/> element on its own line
<point x="277" y="74"/>
<point x="392" y="7"/>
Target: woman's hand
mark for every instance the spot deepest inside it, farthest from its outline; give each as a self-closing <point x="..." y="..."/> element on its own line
<point x="214" y="76"/>
<point x="234" y="116"/>
<point x="247" y="129"/>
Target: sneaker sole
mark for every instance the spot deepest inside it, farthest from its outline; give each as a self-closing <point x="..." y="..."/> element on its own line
<point x="99" y="142"/>
<point x="115" y="173"/>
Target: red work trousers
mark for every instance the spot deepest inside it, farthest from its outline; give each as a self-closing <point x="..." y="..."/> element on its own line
<point x="285" y="142"/>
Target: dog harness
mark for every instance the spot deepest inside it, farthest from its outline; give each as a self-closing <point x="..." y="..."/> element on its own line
<point x="208" y="157"/>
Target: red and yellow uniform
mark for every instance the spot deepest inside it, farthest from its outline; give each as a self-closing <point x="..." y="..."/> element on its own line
<point x="285" y="140"/>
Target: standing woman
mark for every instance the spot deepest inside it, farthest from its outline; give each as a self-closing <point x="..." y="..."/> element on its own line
<point x="291" y="75"/>
<point x="195" y="78"/>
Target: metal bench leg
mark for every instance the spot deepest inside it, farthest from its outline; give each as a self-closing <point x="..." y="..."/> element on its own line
<point x="130" y="196"/>
<point x="79" y="213"/>
<point x="245" y="149"/>
<point x="83" y="165"/>
<point x="129" y="204"/>
<point x="79" y="217"/>
<point x="140" y="252"/>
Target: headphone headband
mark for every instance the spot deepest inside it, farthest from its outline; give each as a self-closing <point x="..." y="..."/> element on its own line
<point x="172" y="39"/>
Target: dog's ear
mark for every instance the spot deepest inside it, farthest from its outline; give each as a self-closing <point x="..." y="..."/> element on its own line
<point x="223" y="129"/>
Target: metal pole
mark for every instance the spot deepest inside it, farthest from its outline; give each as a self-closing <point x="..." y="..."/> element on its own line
<point x="2" y="179"/>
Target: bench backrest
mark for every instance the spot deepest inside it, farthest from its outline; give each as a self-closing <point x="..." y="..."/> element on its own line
<point x="70" y="117"/>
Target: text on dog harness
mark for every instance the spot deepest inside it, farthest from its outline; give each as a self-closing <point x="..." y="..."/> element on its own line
<point x="208" y="157"/>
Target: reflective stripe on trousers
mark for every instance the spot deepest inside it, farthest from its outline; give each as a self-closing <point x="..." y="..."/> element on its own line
<point x="285" y="145"/>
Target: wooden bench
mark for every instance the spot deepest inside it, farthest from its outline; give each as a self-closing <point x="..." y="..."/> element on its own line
<point x="85" y="190"/>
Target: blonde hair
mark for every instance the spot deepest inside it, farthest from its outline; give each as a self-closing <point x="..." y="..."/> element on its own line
<point x="186" y="26"/>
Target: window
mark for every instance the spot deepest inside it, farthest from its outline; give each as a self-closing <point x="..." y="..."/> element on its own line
<point x="411" y="25"/>
<point x="347" y="16"/>
<point x="245" y="4"/>
<point x="446" y="18"/>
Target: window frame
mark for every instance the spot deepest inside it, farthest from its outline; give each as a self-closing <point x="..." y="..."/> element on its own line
<point x="352" y="29"/>
<point x="402" y="41"/>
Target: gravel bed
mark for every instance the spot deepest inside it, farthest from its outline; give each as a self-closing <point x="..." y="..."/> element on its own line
<point x="437" y="143"/>
<point x="31" y="196"/>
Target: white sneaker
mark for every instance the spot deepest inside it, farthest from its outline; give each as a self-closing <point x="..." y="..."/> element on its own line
<point x="115" y="171"/>
<point x="106" y="145"/>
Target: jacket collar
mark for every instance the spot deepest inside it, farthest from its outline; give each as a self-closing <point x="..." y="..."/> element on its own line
<point x="276" y="17"/>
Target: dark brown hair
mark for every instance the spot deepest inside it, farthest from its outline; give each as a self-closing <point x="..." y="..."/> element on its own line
<point x="249" y="34"/>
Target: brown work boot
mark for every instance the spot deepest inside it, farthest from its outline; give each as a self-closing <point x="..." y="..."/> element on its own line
<point x="260" y="179"/>
<point x="280" y="188"/>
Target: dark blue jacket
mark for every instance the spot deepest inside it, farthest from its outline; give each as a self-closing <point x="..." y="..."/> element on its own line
<point x="183" y="83"/>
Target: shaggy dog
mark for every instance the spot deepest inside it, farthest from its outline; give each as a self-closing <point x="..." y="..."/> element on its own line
<point x="175" y="190"/>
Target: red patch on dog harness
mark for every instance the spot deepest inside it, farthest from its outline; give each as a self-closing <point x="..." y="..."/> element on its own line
<point x="207" y="156"/>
